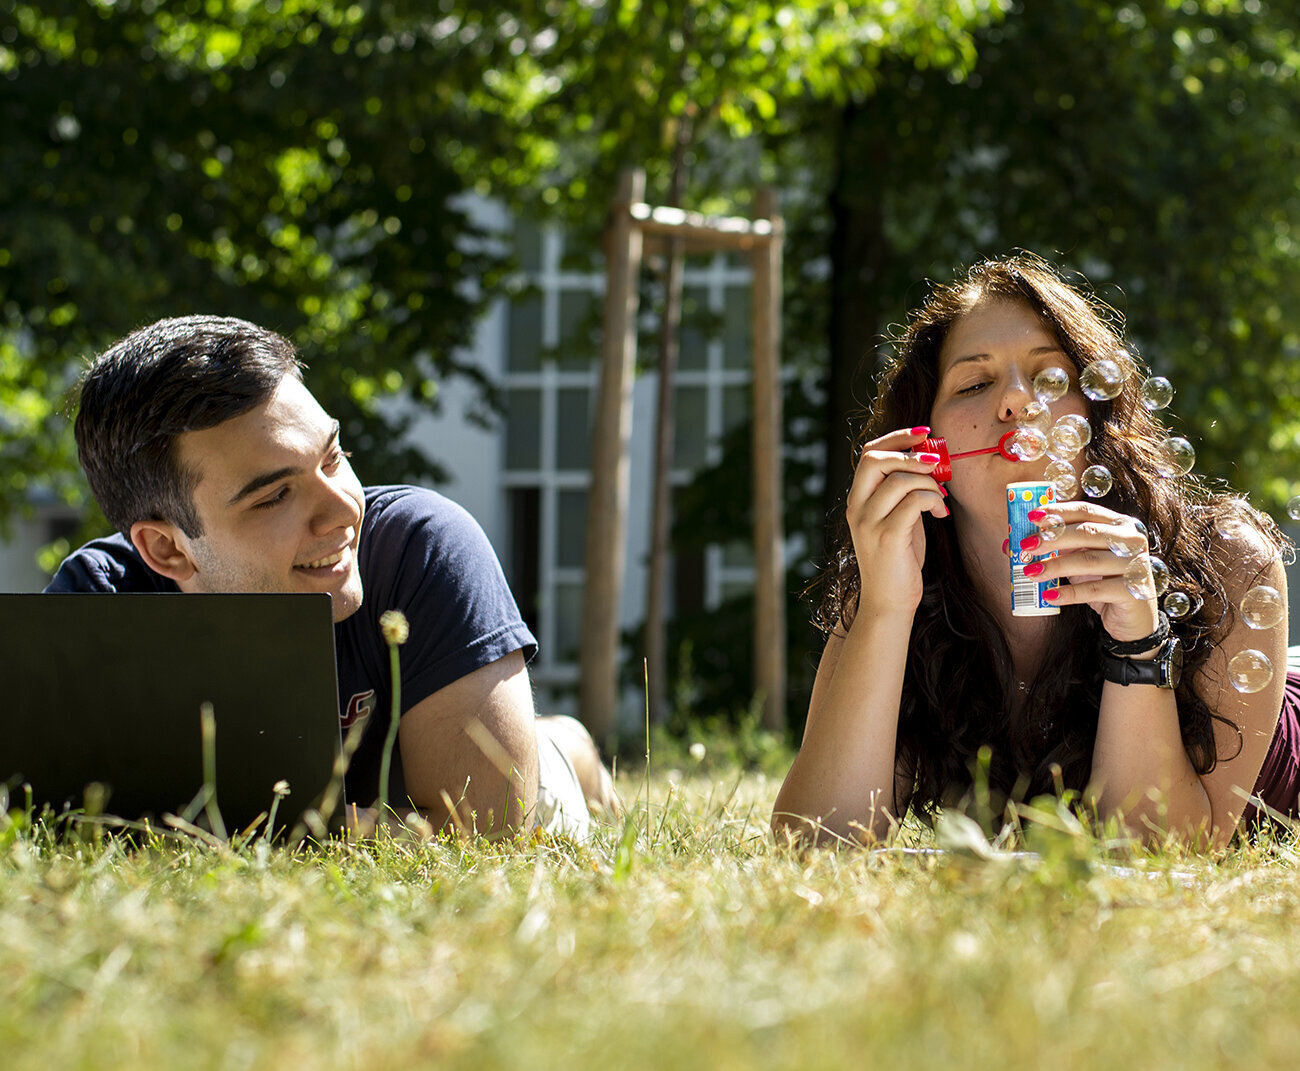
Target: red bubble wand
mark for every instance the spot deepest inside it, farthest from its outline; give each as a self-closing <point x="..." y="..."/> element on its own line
<point x="939" y="445"/>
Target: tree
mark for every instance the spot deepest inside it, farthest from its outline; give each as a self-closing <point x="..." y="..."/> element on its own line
<point x="678" y="87"/>
<point x="1149" y="145"/>
<point x="294" y="163"/>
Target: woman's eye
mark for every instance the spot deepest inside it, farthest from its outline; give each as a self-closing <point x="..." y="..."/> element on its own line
<point x="973" y="388"/>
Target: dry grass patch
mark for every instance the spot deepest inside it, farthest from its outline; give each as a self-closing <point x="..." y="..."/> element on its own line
<point x="695" y="941"/>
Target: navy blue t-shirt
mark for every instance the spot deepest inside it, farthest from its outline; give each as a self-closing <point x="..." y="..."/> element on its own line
<point x="419" y="553"/>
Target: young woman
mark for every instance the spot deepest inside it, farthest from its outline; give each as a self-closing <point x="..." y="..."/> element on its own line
<point x="924" y="662"/>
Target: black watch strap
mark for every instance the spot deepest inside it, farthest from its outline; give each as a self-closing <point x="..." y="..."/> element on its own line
<point x="1165" y="670"/>
<point x="1132" y="647"/>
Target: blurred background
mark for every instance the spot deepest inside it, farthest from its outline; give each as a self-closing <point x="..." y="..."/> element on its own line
<point x="414" y="192"/>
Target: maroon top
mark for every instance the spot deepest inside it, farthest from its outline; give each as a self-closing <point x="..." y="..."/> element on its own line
<point x="1278" y="784"/>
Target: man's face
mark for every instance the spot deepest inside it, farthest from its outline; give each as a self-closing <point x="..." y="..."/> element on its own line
<point x="279" y="504"/>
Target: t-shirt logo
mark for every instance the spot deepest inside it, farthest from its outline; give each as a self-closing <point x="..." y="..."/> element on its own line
<point x="360" y="707"/>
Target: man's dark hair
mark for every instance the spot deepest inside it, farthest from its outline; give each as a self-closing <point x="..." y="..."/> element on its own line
<point x="174" y="376"/>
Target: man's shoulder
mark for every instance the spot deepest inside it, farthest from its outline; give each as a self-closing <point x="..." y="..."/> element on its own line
<point x="106" y="565"/>
<point x="401" y="511"/>
<point x="413" y="538"/>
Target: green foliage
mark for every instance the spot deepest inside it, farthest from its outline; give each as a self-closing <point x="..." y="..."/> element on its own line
<point x="295" y="163"/>
<point x="602" y="86"/>
<point x="1149" y="145"/>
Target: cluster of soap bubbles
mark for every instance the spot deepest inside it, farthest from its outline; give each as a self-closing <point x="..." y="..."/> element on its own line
<point x="1262" y="607"/>
<point x="1146" y="577"/>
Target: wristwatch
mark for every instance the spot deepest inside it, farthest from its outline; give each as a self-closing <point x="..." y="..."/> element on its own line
<point x="1164" y="669"/>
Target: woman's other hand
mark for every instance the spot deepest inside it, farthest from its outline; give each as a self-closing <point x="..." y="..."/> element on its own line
<point x="1097" y="549"/>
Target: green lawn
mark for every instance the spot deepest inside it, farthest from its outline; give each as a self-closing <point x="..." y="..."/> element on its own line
<point x="695" y="942"/>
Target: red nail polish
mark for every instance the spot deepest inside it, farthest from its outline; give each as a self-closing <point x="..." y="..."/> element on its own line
<point x="928" y="459"/>
<point x="1034" y="568"/>
<point x="1052" y="594"/>
<point x="1035" y="514"/>
<point x="1006" y="546"/>
<point x="1029" y="542"/>
<point x="921" y="429"/>
<point x="943" y="490"/>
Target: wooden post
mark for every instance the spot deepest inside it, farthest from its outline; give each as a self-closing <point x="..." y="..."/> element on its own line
<point x="769" y="535"/>
<point x="661" y="494"/>
<point x="608" y="494"/>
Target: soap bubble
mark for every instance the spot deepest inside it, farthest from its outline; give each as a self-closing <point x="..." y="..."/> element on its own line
<point x="1051" y="527"/>
<point x="1230" y="527"/>
<point x="1066" y="485"/>
<point x="1035" y="415"/>
<point x="1175" y="457"/>
<point x="1079" y="423"/>
<point x="1157" y="392"/>
<point x="1177" y="603"/>
<point x="1102" y="380"/>
<point x="1027" y="444"/>
<point x="1050" y="384"/>
<point x="1249" y="670"/>
<point x="1262" y="607"/>
<point x="1063" y="443"/>
<point x="1293" y="508"/>
<point x="1120" y="546"/>
<point x="1146" y="577"/>
<point x="1096" y="481"/>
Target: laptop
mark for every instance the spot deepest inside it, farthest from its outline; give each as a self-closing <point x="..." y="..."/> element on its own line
<point x="106" y="691"/>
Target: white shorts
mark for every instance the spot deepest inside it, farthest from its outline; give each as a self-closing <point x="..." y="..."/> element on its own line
<point x="561" y="805"/>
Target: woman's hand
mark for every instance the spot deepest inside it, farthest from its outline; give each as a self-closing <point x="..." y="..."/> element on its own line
<point x="891" y="489"/>
<point x="1095" y="569"/>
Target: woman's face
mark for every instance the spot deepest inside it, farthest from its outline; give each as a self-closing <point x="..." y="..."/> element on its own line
<point x="987" y="366"/>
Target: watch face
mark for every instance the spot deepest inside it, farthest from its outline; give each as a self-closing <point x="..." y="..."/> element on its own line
<point x="1173" y="664"/>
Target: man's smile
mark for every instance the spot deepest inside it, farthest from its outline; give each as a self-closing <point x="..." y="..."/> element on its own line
<point x="325" y="562"/>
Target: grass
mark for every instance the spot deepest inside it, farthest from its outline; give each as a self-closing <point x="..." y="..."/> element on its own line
<point x="696" y="942"/>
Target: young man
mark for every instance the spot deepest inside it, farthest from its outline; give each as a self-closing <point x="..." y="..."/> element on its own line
<point x="222" y="473"/>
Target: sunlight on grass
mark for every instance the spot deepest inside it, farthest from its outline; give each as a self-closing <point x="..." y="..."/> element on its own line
<point x="695" y="942"/>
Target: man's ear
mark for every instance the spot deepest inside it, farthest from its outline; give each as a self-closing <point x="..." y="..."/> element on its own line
<point x="164" y="549"/>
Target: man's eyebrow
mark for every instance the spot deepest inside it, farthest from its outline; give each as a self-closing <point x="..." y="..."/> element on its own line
<point x="267" y="478"/>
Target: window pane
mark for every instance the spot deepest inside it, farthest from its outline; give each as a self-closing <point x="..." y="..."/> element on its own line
<point x="524" y="519"/>
<point x="528" y="245"/>
<point x="737" y="556"/>
<point x="568" y="621"/>
<point x="694" y="352"/>
<point x="731" y="589"/>
<point x="524" y="339"/>
<point x="688" y="581"/>
<point x="523" y="428"/>
<point x="739" y="345"/>
<point x="570" y="529"/>
<point x="572" y="428"/>
<point x="579" y="329"/>
<point x="735" y="406"/>
<point x="691" y="434"/>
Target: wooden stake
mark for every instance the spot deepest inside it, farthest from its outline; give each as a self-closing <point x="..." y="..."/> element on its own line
<point x="608" y="494"/>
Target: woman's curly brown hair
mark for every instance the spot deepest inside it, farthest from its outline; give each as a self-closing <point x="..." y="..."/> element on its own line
<point x="959" y="685"/>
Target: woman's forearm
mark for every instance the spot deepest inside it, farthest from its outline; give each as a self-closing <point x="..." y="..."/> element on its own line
<point x="842" y="780"/>
<point x="1140" y="769"/>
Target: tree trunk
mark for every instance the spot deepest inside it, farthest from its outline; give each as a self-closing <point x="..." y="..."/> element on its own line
<point x="661" y="518"/>
<point x="860" y="255"/>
